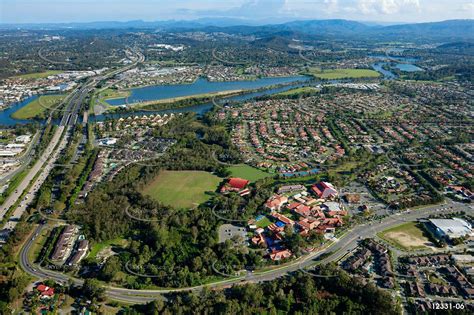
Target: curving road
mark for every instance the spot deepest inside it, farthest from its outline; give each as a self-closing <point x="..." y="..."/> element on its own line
<point x="335" y="251"/>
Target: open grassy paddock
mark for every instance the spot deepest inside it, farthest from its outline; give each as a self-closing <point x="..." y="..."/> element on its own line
<point x="408" y="236"/>
<point x="38" y="106"/>
<point x="298" y="91"/>
<point x="247" y="172"/>
<point x="38" y="75"/>
<point x="332" y="74"/>
<point x="97" y="247"/>
<point x="197" y="97"/>
<point x="182" y="189"/>
<point x="109" y="94"/>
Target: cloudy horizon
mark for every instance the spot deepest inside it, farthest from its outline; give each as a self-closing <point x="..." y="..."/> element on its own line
<point x="396" y="11"/>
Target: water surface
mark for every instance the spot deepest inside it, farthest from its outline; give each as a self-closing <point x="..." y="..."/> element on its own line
<point x="200" y="86"/>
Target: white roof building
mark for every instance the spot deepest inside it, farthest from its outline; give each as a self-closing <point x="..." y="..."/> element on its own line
<point x="7" y="153"/>
<point x="452" y="228"/>
<point x="23" y="139"/>
<point x="332" y="206"/>
<point x="466" y="259"/>
<point x="107" y="141"/>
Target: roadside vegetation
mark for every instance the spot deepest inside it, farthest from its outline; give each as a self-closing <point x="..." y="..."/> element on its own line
<point x="293" y="294"/>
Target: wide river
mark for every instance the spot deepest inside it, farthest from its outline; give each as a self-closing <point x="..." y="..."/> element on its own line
<point x="169" y="91"/>
<point x="200" y="86"/>
<point x="405" y="64"/>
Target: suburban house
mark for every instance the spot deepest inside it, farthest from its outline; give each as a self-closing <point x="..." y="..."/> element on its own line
<point x="303" y="210"/>
<point x="259" y="240"/>
<point x="45" y="291"/>
<point x="308" y="224"/>
<point x="276" y="202"/>
<point x="282" y="218"/>
<point x="280" y="254"/>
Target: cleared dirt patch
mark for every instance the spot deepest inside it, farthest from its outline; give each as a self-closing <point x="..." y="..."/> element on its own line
<point x="407" y="236"/>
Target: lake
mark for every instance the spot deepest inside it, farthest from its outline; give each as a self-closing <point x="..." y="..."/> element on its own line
<point x="201" y="109"/>
<point x="200" y="86"/>
<point x="407" y="67"/>
<point x="169" y="91"/>
<point x="5" y="115"/>
<point x="396" y="58"/>
<point x="404" y="64"/>
<point x="387" y="74"/>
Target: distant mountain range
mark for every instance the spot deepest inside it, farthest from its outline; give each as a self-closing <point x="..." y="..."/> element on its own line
<point x="450" y="30"/>
<point x="446" y="30"/>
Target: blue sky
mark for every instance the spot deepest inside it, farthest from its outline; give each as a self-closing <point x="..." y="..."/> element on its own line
<point x="31" y="11"/>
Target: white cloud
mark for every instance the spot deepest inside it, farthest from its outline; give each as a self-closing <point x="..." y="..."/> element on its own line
<point x="332" y="6"/>
<point x="469" y="7"/>
<point x="387" y="6"/>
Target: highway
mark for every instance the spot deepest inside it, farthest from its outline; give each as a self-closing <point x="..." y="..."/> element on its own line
<point x="71" y="111"/>
<point x="13" y="198"/>
<point x="45" y="163"/>
<point x="40" y="170"/>
<point x="335" y="251"/>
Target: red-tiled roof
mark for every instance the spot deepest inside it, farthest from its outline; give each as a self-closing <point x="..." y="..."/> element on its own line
<point x="293" y="205"/>
<point x="45" y="290"/>
<point x="238" y="182"/>
<point x="303" y="210"/>
<point x="49" y="292"/>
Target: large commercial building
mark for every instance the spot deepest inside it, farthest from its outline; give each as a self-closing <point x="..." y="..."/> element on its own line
<point x="452" y="228"/>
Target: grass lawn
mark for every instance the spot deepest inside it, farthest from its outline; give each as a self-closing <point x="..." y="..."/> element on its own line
<point x="38" y="244"/>
<point x="109" y="94"/>
<point x="38" y="106"/>
<point x="247" y="172"/>
<point x="407" y="236"/>
<point x="297" y="91"/>
<point x="182" y="189"/>
<point x="435" y="279"/>
<point x="38" y="75"/>
<point x="263" y="223"/>
<point x="332" y="74"/>
<point x="196" y="97"/>
<point x="97" y="247"/>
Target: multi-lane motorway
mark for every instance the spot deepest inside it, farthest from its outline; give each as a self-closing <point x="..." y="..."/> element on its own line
<point x="334" y="252"/>
<point x="25" y="191"/>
